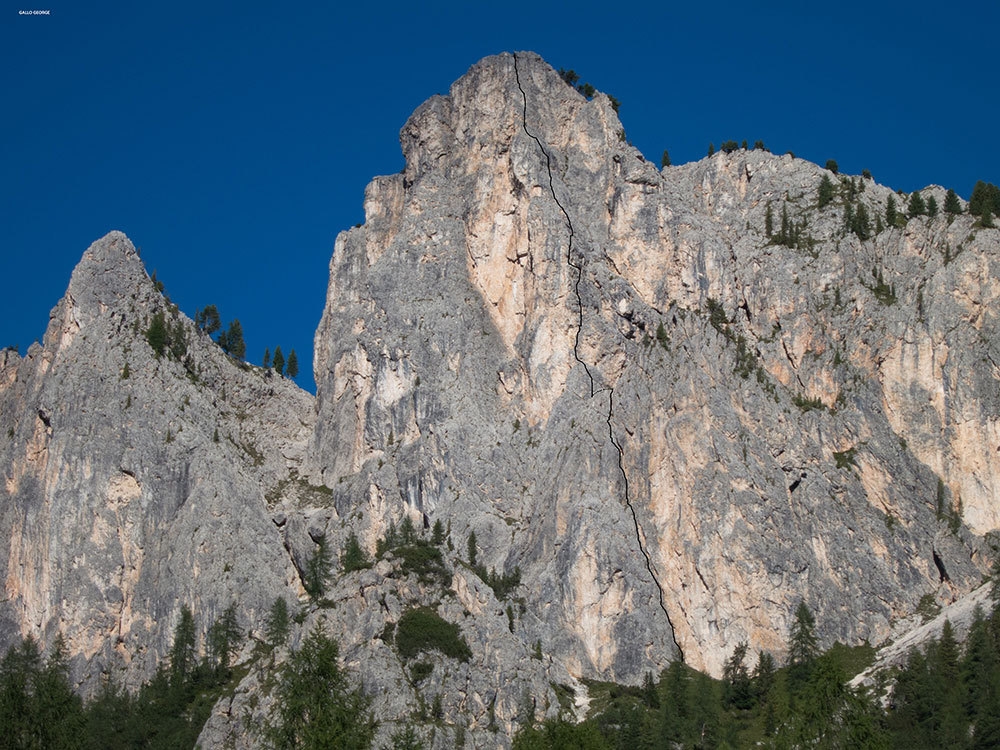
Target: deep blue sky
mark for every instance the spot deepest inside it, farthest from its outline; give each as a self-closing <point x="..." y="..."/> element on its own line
<point x="233" y="143"/>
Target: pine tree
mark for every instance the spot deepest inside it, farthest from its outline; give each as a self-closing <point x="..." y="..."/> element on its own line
<point x="224" y="639"/>
<point x="353" y="557"/>
<point x="665" y="160"/>
<point x="951" y="203"/>
<point x="292" y="367"/>
<point x="711" y="149"/>
<point x="437" y="535"/>
<point x="890" y="211"/>
<point x="980" y="667"/>
<point x="156" y="334"/>
<point x="944" y="664"/>
<point x="675" y="715"/>
<point x="985" y="197"/>
<point x="569" y="76"/>
<point x="932" y="207"/>
<point x="279" y="361"/>
<point x="785" y="234"/>
<point x="317" y="572"/>
<point x="832" y="166"/>
<point x="995" y="581"/>
<point x="278" y="624"/>
<point x="763" y="676"/>
<point x="916" y="206"/>
<point x="825" y="195"/>
<point x="232" y="342"/>
<point x="736" y="679"/>
<point x="861" y="224"/>
<point x="472" y="549"/>
<point x="58" y="710"/>
<point x="407" y="534"/>
<point x="802" y="643"/>
<point x="267" y="359"/>
<point x="316" y="706"/>
<point x="208" y="319"/>
<point x="182" y="652"/>
<point x="769" y="221"/>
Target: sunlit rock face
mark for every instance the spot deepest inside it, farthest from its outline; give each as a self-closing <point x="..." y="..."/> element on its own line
<point x="523" y="330"/>
<point x="134" y="484"/>
<point x="678" y="401"/>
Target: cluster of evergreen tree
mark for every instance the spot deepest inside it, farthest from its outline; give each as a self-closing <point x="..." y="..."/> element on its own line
<point x="166" y="337"/>
<point x="729" y="147"/>
<point x="949" y="697"/>
<point x="289" y="367"/>
<point x="985" y="202"/>
<point x="230" y="340"/>
<point x="572" y="79"/>
<point x="38" y="709"/>
<point x="944" y="697"/>
<point x="790" y="233"/>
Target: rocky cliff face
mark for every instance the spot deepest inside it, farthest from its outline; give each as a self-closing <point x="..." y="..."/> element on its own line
<point x="674" y="425"/>
<point x="674" y="422"/>
<point x="134" y="484"/>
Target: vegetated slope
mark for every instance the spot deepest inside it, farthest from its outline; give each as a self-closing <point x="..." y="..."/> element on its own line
<point x="650" y="412"/>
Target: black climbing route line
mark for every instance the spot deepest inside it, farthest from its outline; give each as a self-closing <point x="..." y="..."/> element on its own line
<point x="569" y="223"/>
<point x="578" y="267"/>
<point x="635" y="520"/>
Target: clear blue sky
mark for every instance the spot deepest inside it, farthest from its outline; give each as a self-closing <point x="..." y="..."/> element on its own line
<point x="232" y="142"/>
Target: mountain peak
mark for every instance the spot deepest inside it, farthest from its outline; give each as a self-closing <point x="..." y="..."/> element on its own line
<point x="109" y="274"/>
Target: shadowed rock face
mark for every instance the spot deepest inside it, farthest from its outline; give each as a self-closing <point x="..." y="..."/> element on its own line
<point x="675" y="426"/>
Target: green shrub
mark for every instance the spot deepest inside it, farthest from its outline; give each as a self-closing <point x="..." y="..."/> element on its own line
<point x="808" y="404"/>
<point x="845" y="459"/>
<point x="423" y="560"/>
<point x="422" y="629"/>
<point x="884" y="293"/>
<point x="421" y="670"/>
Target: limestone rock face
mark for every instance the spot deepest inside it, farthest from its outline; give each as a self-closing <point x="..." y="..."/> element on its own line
<point x="675" y="402"/>
<point x="134" y="484"/>
<point x="675" y="425"/>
